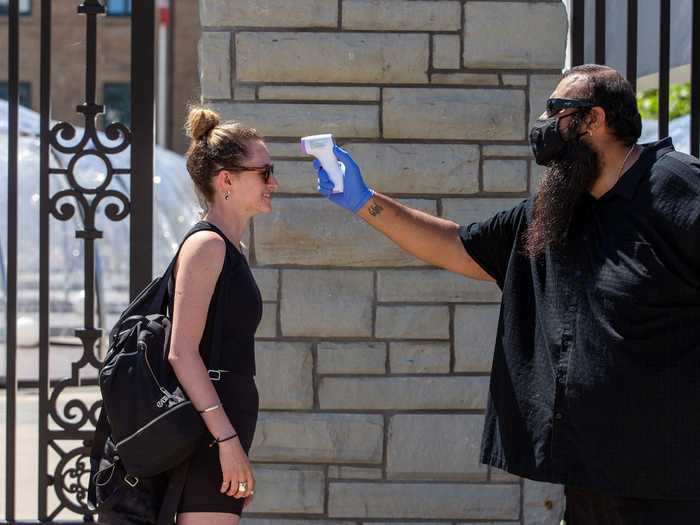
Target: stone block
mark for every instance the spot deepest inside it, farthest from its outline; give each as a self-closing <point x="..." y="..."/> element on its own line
<point x="423" y="500"/>
<point x="279" y="521"/>
<point x="244" y="93"/>
<point x="327" y="303"/>
<point x="351" y="358"/>
<point x="215" y="65"/>
<point x="505" y="175"/>
<point x="273" y="494"/>
<point x="413" y="322"/>
<point x="514" y="80"/>
<point x="314" y="232"/>
<point x="269" y="13"/>
<point x="355" y="58"/>
<point x="418" y="168"/>
<point x="296" y="176"/>
<point x="501" y="476"/>
<point x="449" y="169"/>
<point x="285" y="149"/>
<point x="446" y="51"/>
<point x="292" y="389"/>
<point x="403" y="393"/>
<point x="543" y="503"/>
<point x="419" y="358"/>
<point x="454" y="114"/>
<point x="541" y="87"/>
<point x="433" y="286"/>
<point x="268" y="282"/>
<point x="318" y="438"/>
<point x="475" y="336"/>
<point x="407" y="523"/>
<point x="296" y="120"/>
<point x="528" y="35"/>
<point x="506" y="150"/>
<point x="268" y="323"/>
<point x="435" y="447"/>
<point x="400" y="15"/>
<point x="536" y="174"/>
<point x="344" y="472"/>
<point x="319" y="93"/>
<point x="466" y="211"/>
<point x="465" y="79"/>
<point x="491" y="523"/>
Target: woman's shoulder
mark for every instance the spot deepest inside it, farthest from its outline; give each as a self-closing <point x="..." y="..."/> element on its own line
<point x="205" y="249"/>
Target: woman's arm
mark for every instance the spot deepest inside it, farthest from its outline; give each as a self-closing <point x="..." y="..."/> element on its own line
<point x="198" y="267"/>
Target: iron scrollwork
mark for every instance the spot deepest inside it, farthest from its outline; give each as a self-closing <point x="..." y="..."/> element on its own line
<point x="76" y="418"/>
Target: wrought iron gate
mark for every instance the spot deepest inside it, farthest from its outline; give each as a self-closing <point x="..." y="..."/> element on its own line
<point x="66" y="427"/>
<point x="580" y="27"/>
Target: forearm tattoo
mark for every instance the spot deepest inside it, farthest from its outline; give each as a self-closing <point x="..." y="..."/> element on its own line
<point x="375" y="209"/>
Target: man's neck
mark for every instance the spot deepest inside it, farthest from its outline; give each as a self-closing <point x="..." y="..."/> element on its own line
<point x="611" y="161"/>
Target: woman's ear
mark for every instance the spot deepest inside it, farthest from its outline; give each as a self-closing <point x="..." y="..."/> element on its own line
<point x="223" y="180"/>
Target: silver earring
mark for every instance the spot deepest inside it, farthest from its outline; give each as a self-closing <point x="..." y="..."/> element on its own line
<point x="227" y="195"/>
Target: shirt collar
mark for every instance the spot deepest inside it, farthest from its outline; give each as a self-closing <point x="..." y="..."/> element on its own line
<point x="651" y="152"/>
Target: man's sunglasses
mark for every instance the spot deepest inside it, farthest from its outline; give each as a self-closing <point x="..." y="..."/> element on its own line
<point x="555" y="105"/>
<point x="266" y="171"/>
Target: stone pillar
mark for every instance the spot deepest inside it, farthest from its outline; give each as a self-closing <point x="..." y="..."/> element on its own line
<point x="373" y="367"/>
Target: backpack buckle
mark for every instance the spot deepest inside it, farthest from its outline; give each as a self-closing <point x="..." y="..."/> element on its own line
<point x="215" y="375"/>
<point x="130" y="480"/>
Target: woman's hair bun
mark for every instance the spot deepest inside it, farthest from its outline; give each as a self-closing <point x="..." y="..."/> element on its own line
<point x="200" y="121"/>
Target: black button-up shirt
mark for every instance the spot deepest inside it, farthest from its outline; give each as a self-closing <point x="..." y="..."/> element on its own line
<point x="596" y="370"/>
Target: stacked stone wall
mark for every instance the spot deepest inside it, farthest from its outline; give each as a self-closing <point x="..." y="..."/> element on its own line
<point x="373" y="367"/>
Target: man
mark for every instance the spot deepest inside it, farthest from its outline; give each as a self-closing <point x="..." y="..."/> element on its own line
<point x="596" y="372"/>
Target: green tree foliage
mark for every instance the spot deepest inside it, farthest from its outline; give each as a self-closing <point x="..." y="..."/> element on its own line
<point x="679" y="102"/>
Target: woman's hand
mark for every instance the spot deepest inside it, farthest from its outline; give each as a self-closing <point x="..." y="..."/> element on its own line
<point x="235" y="468"/>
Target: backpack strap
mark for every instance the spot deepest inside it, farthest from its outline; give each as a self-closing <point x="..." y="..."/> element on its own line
<point x="171" y="499"/>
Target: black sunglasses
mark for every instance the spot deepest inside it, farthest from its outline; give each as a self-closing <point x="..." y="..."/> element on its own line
<point x="555" y="105"/>
<point x="266" y="171"/>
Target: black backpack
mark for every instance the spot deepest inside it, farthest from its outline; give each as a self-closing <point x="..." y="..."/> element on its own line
<point x="147" y="424"/>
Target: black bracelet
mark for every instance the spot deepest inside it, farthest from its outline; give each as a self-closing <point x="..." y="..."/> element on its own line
<point x="221" y="440"/>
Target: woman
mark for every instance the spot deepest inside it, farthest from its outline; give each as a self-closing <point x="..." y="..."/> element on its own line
<point x="217" y="304"/>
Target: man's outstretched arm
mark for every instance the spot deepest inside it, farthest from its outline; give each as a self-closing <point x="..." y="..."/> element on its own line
<point x="429" y="238"/>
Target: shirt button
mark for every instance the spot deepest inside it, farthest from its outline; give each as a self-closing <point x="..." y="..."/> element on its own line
<point x="558" y="416"/>
<point x="572" y="308"/>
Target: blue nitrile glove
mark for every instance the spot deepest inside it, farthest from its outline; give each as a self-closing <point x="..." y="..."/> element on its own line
<point x="355" y="192"/>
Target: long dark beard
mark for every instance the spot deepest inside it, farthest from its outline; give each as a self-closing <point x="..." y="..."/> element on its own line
<point x="562" y="185"/>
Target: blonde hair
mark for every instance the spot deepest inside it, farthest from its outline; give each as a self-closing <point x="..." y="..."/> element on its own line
<point x="214" y="145"/>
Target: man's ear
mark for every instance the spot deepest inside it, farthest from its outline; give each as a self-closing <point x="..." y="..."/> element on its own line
<point x="595" y="119"/>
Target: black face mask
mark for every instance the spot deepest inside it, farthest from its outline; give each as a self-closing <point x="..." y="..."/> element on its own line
<point x="546" y="142"/>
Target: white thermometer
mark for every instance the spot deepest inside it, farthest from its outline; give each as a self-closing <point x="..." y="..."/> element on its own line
<point x="321" y="147"/>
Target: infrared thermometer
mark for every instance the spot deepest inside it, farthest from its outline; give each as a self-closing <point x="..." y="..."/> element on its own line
<point x="321" y="147"/>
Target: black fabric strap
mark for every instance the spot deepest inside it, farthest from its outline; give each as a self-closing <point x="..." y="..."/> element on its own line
<point x="171" y="500"/>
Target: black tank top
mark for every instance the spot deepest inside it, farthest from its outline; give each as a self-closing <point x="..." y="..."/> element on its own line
<point x="234" y="312"/>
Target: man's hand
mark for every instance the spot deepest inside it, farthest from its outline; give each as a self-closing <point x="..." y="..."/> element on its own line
<point x="432" y="239"/>
<point x="355" y="192"/>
